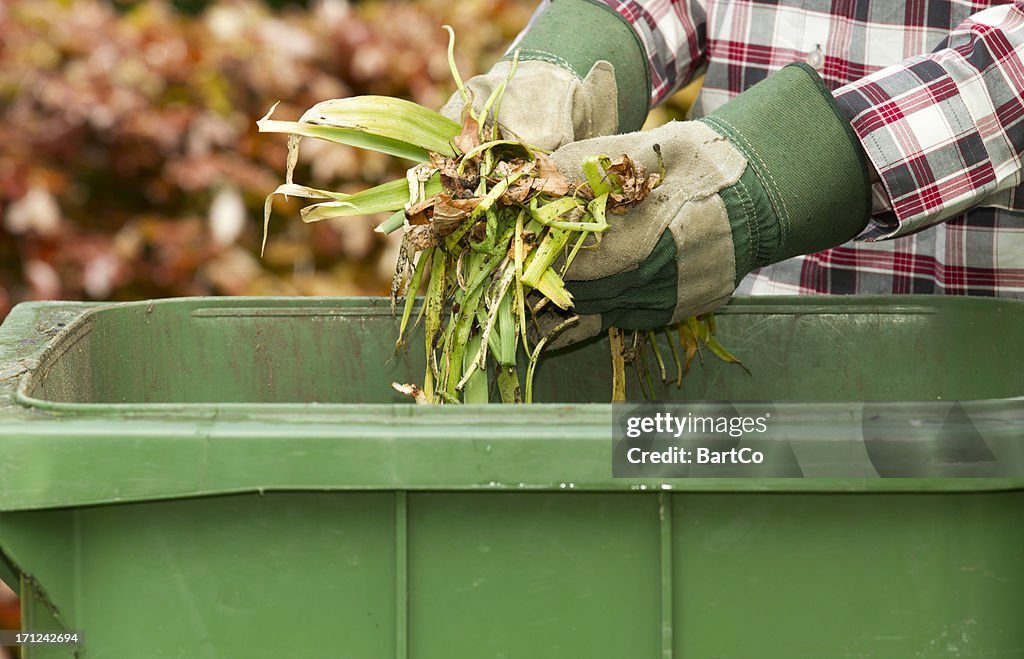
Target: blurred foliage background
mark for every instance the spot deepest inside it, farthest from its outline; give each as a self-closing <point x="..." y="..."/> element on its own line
<point x="130" y="165"/>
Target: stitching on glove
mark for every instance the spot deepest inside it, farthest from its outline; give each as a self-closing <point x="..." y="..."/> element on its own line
<point x="753" y="228"/>
<point x="773" y="189"/>
<point x="550" y="58"/>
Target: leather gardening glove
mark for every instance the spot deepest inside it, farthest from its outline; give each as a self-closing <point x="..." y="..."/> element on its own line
<point x="581" y="73"/>
<point x="544" y="104"/>
<point x="774" y="173"/>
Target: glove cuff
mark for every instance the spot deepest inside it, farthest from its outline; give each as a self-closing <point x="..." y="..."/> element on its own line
<point x="576" y="34"/>
<point x="807" y="186"/>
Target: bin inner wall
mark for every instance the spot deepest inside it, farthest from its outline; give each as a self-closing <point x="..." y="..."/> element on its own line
<point x="342" y="351"/>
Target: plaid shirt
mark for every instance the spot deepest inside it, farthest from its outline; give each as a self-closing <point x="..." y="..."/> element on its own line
<point x="933" y="89"/>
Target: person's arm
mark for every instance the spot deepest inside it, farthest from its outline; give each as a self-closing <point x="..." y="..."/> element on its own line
<point x="673" y="36"/>
<point x="774" y="173"/>
<point x="592" y="67"/>
<point x="945" y="131"/>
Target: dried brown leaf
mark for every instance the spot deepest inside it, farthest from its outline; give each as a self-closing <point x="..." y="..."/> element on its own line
<point x="506" y="169"/>
<point x="546" y="167"/>
<point x="422" y="212"/>
<point x="469" y="138"/>
<point x="517" y="193"/>
<point x="450" y="213"/>
<point x="632" y="179"/>
<point x="421" y="237"/>
<point x="556" y="186"/>
<point x="412" y="391"/>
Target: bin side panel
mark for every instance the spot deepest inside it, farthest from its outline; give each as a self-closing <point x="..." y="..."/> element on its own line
<point x="545" y="576"/>
<point x="297" y="574"/>
<point x="777" y="576"/>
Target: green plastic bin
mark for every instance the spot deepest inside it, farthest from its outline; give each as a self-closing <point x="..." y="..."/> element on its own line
<point x="235" y="478"/>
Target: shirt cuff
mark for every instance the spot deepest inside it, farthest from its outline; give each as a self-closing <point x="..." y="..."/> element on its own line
<point x="919" y="134"/>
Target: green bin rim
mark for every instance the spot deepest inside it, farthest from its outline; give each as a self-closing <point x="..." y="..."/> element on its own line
<point x="170" y="451"/>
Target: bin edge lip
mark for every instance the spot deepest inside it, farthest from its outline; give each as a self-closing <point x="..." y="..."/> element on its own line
<point x="630" y="487"/>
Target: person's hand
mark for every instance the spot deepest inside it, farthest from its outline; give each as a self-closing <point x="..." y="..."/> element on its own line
<point x="774" y="173"/>
<point x="545" y="105"/>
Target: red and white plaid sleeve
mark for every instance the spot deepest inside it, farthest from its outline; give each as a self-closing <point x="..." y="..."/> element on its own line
<point x="945" y="130"/>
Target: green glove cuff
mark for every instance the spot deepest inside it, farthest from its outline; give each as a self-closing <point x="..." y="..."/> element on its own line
<point x="637" y="299"/>
<point x="806" y="168"/>
<point x="575" y="34"/>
